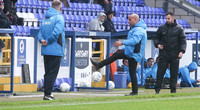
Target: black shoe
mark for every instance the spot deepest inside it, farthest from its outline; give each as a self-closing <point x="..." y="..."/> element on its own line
<point x="131" y="94"/>
<point x="173" y="92"/>
<point x="48" y="97"/>
<point x="95" y="64"/>
<point x="157" y="92"/>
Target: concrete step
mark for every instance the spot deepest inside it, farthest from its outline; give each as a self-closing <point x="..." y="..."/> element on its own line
<point x="6" y="79"/>
<point x="21" y="87"/>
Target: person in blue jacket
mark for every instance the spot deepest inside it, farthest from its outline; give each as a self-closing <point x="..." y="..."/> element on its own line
<point x="155" y="68"/>
<point x="52" y="37"/>
<point x="149" y="68"/>
<point x="125" y="68"/>
<point x="133" y="49"/>
<point x="152" y="73"/>
<point x="184" y="74"/>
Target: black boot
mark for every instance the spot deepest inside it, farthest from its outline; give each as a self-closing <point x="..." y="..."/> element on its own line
<point x="157" y="92"/>
<point x="173" y="91"/>
<point x="131" y="94"/>
<point x="95" y="64"/>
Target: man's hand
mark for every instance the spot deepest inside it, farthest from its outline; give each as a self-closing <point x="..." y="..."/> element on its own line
<point x="44" y="42"/>
<point x="180" y="55"/>
<point x="160" y="46"/>
<point x="198" y="80"/>
<point x="118" y="43"/>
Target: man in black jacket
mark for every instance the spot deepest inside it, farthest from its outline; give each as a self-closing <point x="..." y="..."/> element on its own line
<point x="171" y="41"/>
<point x="4" y="20"/>
<point x="10" y="10"/>
<point x="108" y="24"/>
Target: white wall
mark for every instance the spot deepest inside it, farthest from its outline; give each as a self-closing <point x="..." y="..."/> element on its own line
<point x="150" y="51"/>
<point x="63" y="71"/>
<point x="29" y="53"/>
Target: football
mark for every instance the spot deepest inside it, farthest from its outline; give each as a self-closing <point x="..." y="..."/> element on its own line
<point x="96" y="76"/>
<point x="84" y="84"/>
<point x="111" y="85"/>
<point x="64" y="87"/>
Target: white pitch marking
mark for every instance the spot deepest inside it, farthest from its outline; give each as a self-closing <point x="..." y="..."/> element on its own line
<point x="89" y="103"/>
<point x="26" y="96"/>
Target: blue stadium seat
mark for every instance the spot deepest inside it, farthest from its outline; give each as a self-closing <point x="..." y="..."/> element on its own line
<point x="72" y="23"/>
<point x="140" y="3"/>
<point x="77" y="21"/>
<point x="35" y="6"/>
<point x="188" y="36"/>
<point x="57" y="83"/>
<point x="21" y="31"/>
<point x="64" y="16"/>
<point x="116" y="3"/>
<point x="185" y="24"/>
<point x="46" y="4"/>
<point x="19" y="3"/>
<point x="114" y="19"/>
<point x="36" y="15"/>
<point x="26" y="30"/>
<point x="121" y="2"/>
<point x="70" y="10"/>
<point x="41" y="3"/>
<point x="31" y="27"/>
<point x="15" y="29"/>
<point x="41" y="6"/>
<point x="69" y="28"/>
<point x="41" y="15"/>
<point x="68" y="20"/>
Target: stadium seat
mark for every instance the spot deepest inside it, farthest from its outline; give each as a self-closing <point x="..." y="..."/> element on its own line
<point x="21" y="31"/>
<point x="58" y="82"/>
<point x="15" y="29"/>
<point x="26" y="30"/>
<point x="19" y="2"/>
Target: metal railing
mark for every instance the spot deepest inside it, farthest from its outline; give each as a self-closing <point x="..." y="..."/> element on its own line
<point x="6" y="52"/>
<point x="101" y="51"/>
<point x="187" y="6"/>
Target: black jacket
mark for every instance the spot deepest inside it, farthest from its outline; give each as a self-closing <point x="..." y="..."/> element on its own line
<point x="109" y="26"/>
<point x="173" y="38"/>
<point x="9" y="6"/>
<point x="4" y="20"/>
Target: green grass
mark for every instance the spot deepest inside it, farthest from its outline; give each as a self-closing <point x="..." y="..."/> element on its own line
<point x="178" y="101"/>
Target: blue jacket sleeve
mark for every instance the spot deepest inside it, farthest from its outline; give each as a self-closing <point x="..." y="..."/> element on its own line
<point x="40" y="37"/>
<point x="57" y="30"/>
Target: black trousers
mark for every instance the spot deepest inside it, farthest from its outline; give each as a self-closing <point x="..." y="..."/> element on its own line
<point x="51" y="66"/>
<point x="132" y="67"/>
<point x="162" y="66"/>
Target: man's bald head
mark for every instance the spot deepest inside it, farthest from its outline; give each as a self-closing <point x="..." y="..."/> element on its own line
<point x="135" y="16"/>
<point x="133" y="19"/>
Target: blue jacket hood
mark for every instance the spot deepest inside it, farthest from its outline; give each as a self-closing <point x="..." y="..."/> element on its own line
<point x="192" y="66"/>
<point x="141" y="23"/>
<point x="51" y="12"/>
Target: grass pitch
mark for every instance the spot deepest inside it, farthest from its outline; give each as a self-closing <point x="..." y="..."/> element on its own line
<point x="184" y="99"/>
